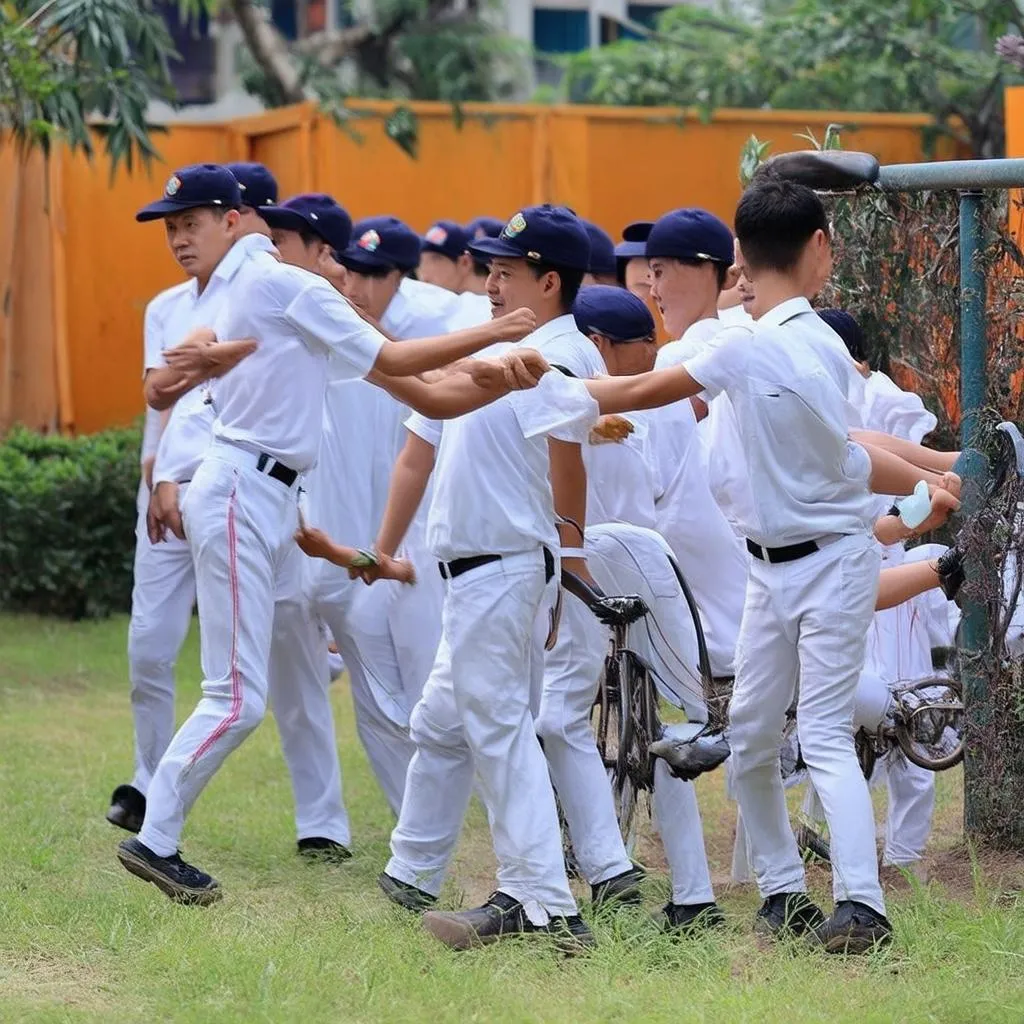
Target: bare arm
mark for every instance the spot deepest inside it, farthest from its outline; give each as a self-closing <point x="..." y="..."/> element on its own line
<point x="916" y="454"/>
<point x="451" y="396"/>
<point x="189" y="365"/>
<point x="643" y="390"/>
<point x="569" y="490"/>
<point x="892" y="474"/>
<point x="902" y="582"/>
<point x="409" y="480"/>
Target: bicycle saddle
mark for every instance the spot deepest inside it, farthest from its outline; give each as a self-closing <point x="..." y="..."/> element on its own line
<point x="831" y="171"/>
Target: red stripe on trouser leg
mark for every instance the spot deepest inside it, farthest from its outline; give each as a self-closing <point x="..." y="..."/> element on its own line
<point x="236" y="680"/>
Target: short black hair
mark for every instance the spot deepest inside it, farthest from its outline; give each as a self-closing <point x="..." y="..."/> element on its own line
<point x="481" y="269"/>
<point x="570" y="278"/>
<point x="309" y="236"/>
<point x="775" y="219"/>
<point x="847" y="327"/>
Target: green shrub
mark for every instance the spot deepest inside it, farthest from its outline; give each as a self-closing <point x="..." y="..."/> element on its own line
<point x="67" y="522"/>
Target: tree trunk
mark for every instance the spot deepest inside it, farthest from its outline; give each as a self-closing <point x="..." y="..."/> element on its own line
<point x="268" y="49"/>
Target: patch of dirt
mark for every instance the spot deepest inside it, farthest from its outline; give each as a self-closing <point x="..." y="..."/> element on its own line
<point x="50" y="980"/>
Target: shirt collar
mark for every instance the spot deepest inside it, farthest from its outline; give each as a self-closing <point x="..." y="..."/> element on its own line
<point x="565" y="324"/>
<point x="784" y="311"/>
<point x="239" y="252"/>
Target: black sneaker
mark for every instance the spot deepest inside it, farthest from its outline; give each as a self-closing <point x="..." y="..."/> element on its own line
<point x="813" y="845"/>
<point x="182" y="882"/>
<point x="619" y="891"/>
<point x="571" y="934"/>
<point x="499" y="917"/>
<point x="404" y="894"/>
<point x="689" y="918"/>
<point x="951" y="572"/>
<point x="688" y="759"/>
<point x="852" y="928"/>
<point x="327" y="850"/>
<point x="787" y="913"/>
<point x="127" y="808"/>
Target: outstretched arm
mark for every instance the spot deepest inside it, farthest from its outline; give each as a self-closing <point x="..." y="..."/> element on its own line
<point x="892" y="474"/>
<point x="916" y="454"/>
<point x="200" y="357"/>
<point x="643" y="390"/>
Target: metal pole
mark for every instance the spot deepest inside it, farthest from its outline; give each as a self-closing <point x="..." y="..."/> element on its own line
<point x="974" y="633"/>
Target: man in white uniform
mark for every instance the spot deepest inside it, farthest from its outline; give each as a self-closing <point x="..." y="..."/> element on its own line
<point x="492" y="526"/>
<point x="603" y="268"/>
<point x="240" y="512"/>
<point x="163" y="593"/>
<point x="811" y="553"/>
<point x="445" y="261"/>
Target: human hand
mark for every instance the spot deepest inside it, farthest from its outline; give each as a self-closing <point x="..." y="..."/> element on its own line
<point x="313" y="542"/>
<point x="163" y="513"/>
<point x="944" y="504"/>
<point x="514" y="326"/>
<point x="192" y="354"/>
<point x="611" y="430"/>
<point x="524" y="368"/>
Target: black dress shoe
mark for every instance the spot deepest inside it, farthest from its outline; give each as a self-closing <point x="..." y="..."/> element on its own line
<point x="619" y="891"/>
<point x="852" y="928"/>
<point x="787" y="913"/>
<point x="182" y="882"/>
<point x="127" y="808"/>
<point x="404" y="894"/>
<point x="499" y="917"/>
<point x="689" y="918"/>
<point x="571" y="934"/>
<point x="950" y="565"/>
<point x="328" y="850"/>
<point x="688" y="759"/>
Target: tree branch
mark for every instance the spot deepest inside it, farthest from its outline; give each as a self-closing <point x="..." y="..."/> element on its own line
<point x="268" y="49"/>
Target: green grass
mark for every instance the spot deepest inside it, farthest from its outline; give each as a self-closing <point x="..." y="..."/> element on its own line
<point x="81" y="940"/>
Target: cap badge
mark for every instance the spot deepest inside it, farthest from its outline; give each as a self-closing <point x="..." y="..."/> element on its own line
<point x="369" y="240"/>
<point x="515" y="226"/>
<point x="173" y="186"/>
<point x="437" y="235"/>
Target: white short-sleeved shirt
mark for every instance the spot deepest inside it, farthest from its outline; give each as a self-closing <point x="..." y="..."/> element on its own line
<point x="694" y="338"/>
<point x="789" y="384"/>
<point x="307" y="334"/>
<point x="492" y="488"/>
<point x="190" y="426"/>
<point x="735" y="316"/>
<point x="472" y="311"/>
<point x="622" y="479"/>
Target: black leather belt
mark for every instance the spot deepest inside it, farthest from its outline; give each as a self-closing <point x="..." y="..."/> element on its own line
<point x="789" y="553"/>
<point x="277" y="470"/>
<point x="457" y="566"/>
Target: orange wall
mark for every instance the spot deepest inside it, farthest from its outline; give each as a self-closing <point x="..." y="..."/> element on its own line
<point x="1015" y="147"/>
<point x="613" y="165"/>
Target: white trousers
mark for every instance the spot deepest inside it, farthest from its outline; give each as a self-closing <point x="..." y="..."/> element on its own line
<point x="239" y="524"/>
<point x="623" y="560"/>
<point x="163" y="595"/>
<point x="474" y="719"/>
<point x="806" y="620"/>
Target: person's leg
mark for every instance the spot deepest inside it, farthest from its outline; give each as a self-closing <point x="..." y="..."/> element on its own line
<point x="437" y="786"/>
<point x="911" y="805"/>
<point x="163" y="596"/>
<point x="766" y="675"/>
<point x="235" y="523"/>
<point x="678" y="818"/>
<point x="490" y="633"/>
<point x="299" y="697"/>
<point x="834" y="593"/>
<point x="571" y="672"/>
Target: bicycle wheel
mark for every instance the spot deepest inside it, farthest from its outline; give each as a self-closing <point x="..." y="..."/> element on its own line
<point x="929" y="723"/>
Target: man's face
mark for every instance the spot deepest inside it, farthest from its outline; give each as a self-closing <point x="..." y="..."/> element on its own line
<point x="437" y="269"/>
<point x="511" y="285"/>
<point x="638" y="277"/>
<point x="198" y="239"/>
<point x="371" y="294"/>
<point x="746" y="292"/>
<point x="681" y="291"/>
<point x="295" y="251"/>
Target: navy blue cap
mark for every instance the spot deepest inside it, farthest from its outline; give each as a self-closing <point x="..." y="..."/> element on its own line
<point x="849" y="330"/>
<point x="316" y="212"/>
<point x="540" y="234"/>
<point x="484" y="227"/>
<point x="634" y="240"/>
<point x="381" y="243"/>
<point x="602" y="249"/>
<point x="614" y="312"/>
<point x="447" y="238"/>
<point x="691" y="234"/>
<point x="194" y="186"/>
<point x="258" y="185"/>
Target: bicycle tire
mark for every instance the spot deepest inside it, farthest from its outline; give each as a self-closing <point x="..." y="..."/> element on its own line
<point x="907" y="742"/>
